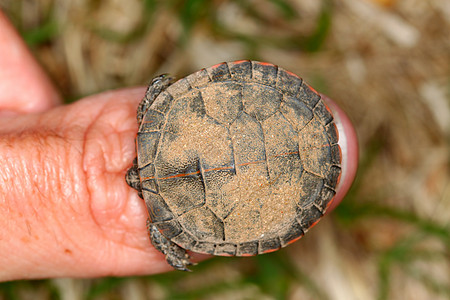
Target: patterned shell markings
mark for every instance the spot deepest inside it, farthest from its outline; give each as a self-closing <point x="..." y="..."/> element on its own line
<point x="237" y="159"/>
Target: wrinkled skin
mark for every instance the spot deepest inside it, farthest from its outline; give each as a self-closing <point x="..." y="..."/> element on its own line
<point x="65" y="209"/>
<point x="82" y="152"/>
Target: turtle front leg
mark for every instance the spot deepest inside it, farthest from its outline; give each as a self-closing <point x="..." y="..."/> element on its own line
<point x="158" y="84"/>
<point x="175" y="255"/>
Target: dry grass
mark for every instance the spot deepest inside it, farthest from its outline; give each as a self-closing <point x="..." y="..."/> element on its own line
<point x="386" y="62"/>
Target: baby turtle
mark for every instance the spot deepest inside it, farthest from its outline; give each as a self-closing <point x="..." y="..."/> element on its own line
<point x="241" y="158"/>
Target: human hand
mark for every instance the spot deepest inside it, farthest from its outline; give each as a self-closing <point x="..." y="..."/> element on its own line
<point x="65" y="209"/>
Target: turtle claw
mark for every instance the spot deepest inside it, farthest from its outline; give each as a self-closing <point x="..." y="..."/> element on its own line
<point x="178" y="263"/>
<point x="158" y="84"/>
<point x="176" y="256"/>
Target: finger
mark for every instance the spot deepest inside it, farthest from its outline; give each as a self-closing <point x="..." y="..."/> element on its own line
<point x="67" y="210"/>
<point x="349" y="148"/>
<point x="24" y="87"/>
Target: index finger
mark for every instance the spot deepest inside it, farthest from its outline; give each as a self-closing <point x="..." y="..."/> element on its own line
<point x="24" y="86"/>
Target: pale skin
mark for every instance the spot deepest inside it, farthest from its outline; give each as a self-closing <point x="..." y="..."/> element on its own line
<point x="65" y="209"/>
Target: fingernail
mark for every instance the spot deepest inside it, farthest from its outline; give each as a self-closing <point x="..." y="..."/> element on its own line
<point x="349" y="147"/>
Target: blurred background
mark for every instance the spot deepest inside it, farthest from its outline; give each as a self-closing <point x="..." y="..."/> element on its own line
<point x="385" y="62"/>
